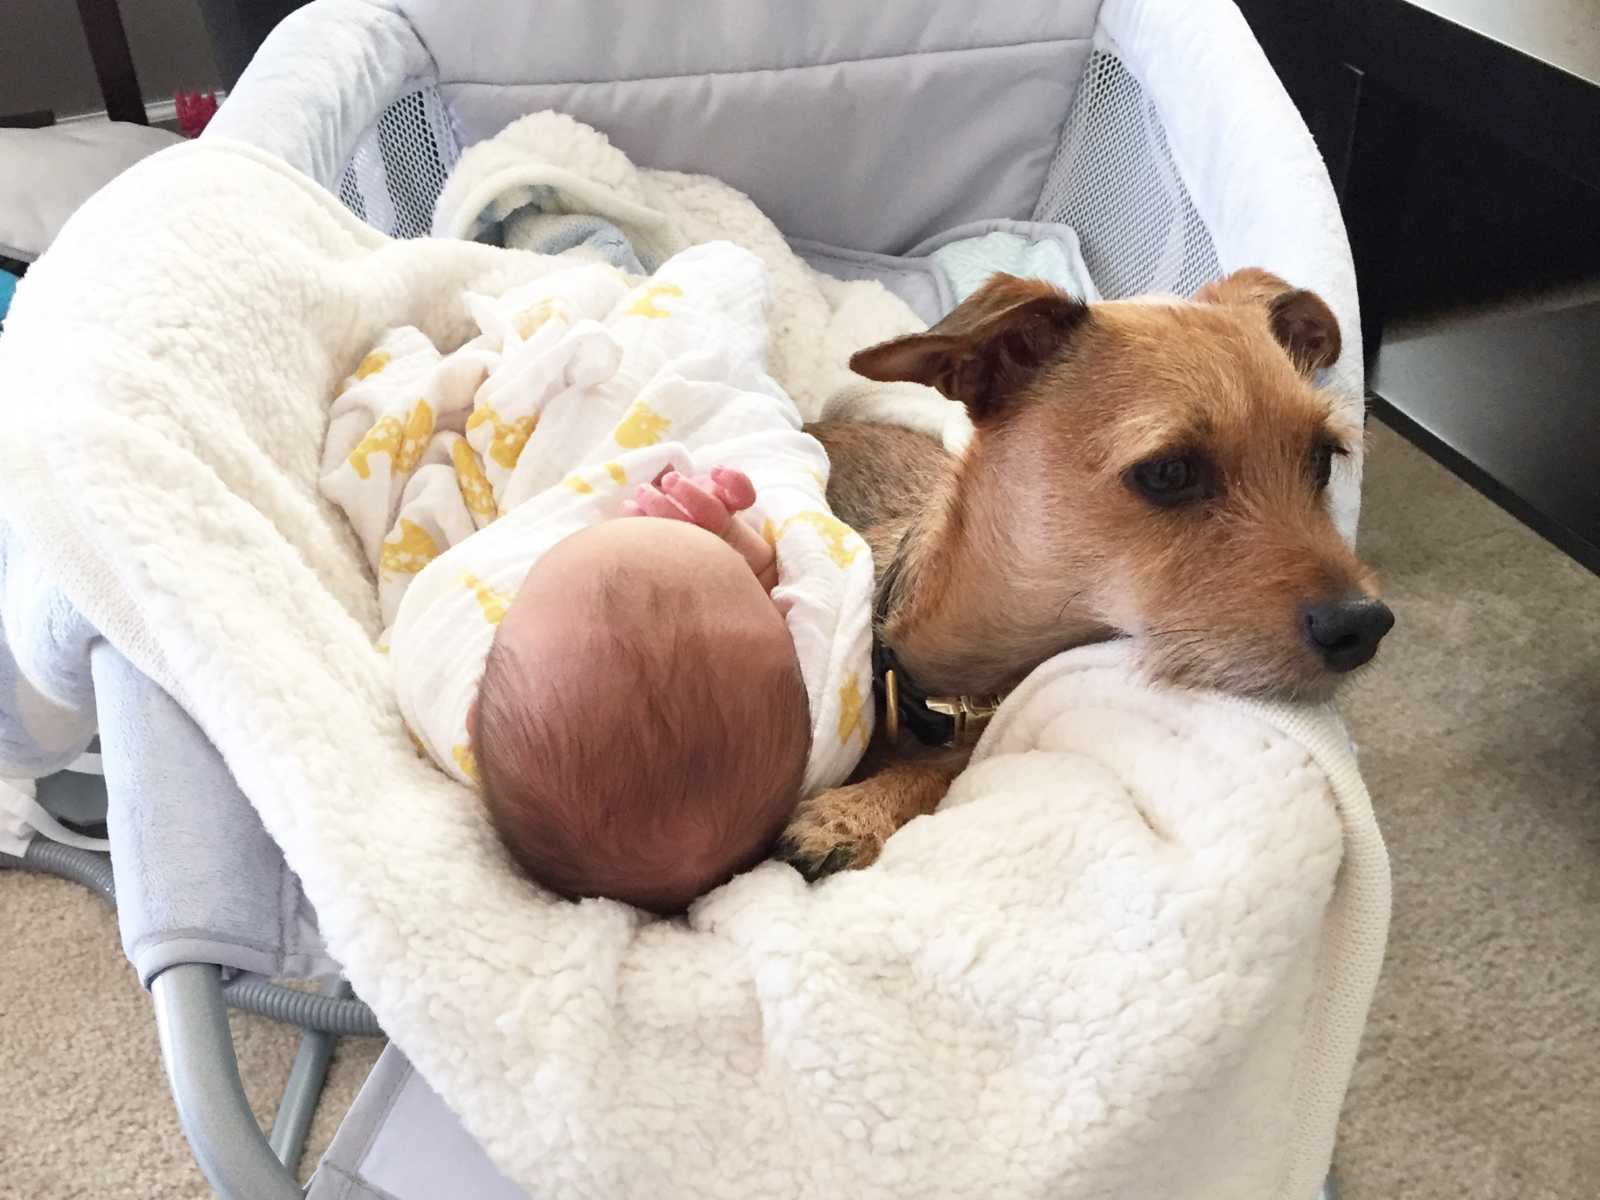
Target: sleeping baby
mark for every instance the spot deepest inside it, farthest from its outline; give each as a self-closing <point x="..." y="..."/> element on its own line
<point x="614" y="599"/>
<point x="641" y="728"/>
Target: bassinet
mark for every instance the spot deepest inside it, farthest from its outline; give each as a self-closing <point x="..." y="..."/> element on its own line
<point x="1154" y="128"/>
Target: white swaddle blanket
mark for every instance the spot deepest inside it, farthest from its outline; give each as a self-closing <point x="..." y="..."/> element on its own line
<point x="460" y="471"/>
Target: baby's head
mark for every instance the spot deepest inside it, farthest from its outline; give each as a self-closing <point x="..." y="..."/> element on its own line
<point x="642" y="728"/>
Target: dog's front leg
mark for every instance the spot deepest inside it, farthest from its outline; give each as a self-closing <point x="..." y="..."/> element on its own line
<point x="844" y="828"/>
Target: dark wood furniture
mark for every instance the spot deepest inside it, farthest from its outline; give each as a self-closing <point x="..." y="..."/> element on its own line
<point x="113" y="60"/>
<point x="1464" y="139"/>
<point x="238" y="27"/>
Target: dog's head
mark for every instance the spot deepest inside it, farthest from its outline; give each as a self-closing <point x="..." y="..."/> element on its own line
<point x="1164" y="465"/>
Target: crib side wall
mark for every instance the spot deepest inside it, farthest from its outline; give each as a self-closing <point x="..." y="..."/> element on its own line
<point x="820" y="111"/>
<point x="321" y="80"/>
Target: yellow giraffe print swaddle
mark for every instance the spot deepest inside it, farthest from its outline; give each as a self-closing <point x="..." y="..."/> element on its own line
<point x="459" y="470"/>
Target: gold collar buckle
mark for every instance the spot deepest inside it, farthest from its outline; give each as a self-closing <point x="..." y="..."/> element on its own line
<point x="971" y="714"/>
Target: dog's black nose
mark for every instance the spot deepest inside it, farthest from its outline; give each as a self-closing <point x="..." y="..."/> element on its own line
<point x="1347" y="632"/>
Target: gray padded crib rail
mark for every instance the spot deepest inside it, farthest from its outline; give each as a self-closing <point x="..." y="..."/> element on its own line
<point x="1112" y="179"/>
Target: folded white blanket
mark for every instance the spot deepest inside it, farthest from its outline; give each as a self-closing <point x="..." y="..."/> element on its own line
<point x="460" y="471"/>
<point x="1129" y="957"/>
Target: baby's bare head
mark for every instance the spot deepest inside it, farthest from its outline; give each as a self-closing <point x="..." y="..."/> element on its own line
<point x="642" y="728"/>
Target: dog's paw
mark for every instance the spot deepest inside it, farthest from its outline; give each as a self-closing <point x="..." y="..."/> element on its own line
<point x="833" y="831"/>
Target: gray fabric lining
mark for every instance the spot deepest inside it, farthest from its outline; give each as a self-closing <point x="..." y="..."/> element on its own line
<point x="915" y="277"/>
<point x="198" y="878"/>
<point x="821" y="112"/>
<point x="974" y="128"/>
<point x="337" y="1176"/>
<point x="164" y="948"/>
<point x="773" y="69"/>
<point x="333" y="1182"/>
<point x="575" y="40"/>
<point x="400" y="1142"/>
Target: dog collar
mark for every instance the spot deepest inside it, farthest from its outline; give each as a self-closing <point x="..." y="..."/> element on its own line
<point x="934" y="720"/>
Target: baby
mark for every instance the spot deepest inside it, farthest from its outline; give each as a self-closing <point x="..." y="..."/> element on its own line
<point x="641" y="728"/>
<point x="581" y="620"/>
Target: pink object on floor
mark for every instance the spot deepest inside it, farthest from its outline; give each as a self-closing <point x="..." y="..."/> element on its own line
<point x="195" y="110"/>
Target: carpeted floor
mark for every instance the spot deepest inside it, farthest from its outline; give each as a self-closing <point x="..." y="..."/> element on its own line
<point x="84" y="1107"/>
<point x="1480" y="1077"/>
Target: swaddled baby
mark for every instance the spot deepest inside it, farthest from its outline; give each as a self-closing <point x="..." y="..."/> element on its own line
<point x="640" y="701"/>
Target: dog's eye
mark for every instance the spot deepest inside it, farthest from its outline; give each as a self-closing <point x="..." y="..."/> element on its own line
<point x="1171" y="481"/>
<point x="1322" y="462"/>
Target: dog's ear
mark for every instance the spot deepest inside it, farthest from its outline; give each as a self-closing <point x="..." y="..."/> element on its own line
<point x="986" y="349"/>
<point x="1301" y="321"/>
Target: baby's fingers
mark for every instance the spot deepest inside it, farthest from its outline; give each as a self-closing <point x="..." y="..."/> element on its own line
<point x="648" y="502"/>
<point x="733" y="488"/>
<point x="704" y="509"/>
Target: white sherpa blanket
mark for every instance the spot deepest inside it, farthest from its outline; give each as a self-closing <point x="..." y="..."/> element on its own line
<point x="1129" y="957"/>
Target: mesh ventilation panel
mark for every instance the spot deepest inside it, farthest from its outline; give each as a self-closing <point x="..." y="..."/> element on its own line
<point x="394" y="178"/>
<point x="1114" y="182"/>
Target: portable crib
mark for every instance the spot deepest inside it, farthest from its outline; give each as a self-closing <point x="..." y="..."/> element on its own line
<point x="1154" y="128"/>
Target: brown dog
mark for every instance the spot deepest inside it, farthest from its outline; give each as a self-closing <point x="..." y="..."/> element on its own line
<point x="1146" y="469"/>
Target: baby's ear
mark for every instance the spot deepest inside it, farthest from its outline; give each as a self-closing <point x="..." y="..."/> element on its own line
<point x="986" y="349"/>
<point x="1301" y="321"/>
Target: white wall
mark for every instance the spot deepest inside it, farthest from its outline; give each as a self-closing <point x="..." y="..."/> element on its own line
<point x="44" y="59"/>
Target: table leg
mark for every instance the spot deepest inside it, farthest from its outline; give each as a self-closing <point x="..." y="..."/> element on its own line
<point x="1377" y="176"/>
<point x="113" y="60"/>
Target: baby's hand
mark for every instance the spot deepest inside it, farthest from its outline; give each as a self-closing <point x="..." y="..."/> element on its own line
<point x="709" y="501"/>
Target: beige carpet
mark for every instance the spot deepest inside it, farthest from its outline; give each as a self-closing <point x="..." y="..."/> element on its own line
<point x="1480" y="736"/>
<point x="1480" y="1078"/>
<point x="84" y="1107"/>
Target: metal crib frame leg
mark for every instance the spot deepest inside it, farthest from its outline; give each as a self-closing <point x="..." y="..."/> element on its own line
<point x="209" y="1068"/>
<point x="197" y="1050"/>
<point x="304" y="1088"/>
